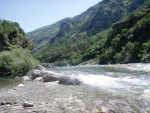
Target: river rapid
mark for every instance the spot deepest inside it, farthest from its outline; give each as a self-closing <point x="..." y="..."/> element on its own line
<point x="123" y="88"/>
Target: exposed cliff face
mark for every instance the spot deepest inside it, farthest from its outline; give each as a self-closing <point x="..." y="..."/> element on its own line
<point x="109" y="12"/>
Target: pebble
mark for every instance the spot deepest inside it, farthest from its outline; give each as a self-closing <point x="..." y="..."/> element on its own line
<point x="20" y="85"/>
<point x="28" y="104"/>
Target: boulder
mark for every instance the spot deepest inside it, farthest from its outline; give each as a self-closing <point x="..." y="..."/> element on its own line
<point x="38" y="79"/>
<point x="35" y="73"/>
<point x="50" y="78"/>
<point x="38" y="73"/>
<point x="26" y="78"/>
<point x="70" y="80"/>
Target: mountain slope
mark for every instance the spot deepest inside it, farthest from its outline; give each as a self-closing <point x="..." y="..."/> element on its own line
<point x="76" y="35"/>
<point x="92" y="21"/>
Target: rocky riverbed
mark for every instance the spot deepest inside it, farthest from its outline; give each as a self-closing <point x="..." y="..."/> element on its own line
<point x="48" y="98"/>
<point x="105" y="89"/>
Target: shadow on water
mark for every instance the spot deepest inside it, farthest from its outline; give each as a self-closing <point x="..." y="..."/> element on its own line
<point x="7" y="82"/>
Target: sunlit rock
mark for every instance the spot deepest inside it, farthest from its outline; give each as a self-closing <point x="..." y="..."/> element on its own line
<point x="50" y="78"/>
<point x="26" y="78"/>
<point x="70" y="80"/>
<point x="28" y="104"/>
<point x="38" y="79"/>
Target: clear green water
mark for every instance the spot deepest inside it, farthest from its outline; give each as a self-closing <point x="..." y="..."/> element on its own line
<point x="9" y="82"/>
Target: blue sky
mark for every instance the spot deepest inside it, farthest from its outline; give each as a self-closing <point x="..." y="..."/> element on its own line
<point x="32" y="14"/>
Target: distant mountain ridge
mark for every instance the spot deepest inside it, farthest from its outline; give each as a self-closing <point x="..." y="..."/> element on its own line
<point x="72" y="34"/>
<point x="95" y="19"/>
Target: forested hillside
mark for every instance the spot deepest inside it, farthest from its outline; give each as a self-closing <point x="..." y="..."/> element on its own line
<point x="15" y="58"/>
<point x="112" y="31"/>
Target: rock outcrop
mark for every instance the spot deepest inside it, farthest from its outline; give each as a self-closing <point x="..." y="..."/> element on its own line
<point x="70" y="80"/>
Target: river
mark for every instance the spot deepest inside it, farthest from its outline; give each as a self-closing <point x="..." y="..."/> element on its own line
<point x="122" y="88"/>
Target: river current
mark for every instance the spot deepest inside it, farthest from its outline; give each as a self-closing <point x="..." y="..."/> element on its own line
<point x="124" y="88"/>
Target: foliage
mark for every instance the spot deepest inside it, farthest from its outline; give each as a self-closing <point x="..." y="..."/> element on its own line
<point x="12" y="34"/>
<point x="16" y="62"/>
<point x="86" y="36"/>
<point x="15" y="58"/>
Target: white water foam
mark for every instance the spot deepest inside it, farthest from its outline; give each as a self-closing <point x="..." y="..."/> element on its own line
<point x="136" y="67"/>
<point x="134" y="81"/>
<point x="101" y="81"/>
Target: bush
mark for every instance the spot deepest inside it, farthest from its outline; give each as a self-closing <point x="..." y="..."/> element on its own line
<point x="17" y="62"/>
<point x="146" y="59"/>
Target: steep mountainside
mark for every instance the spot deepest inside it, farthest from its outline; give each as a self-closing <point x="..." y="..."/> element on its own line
<point x="92" y="21"/>
<point x="86" y="36"/>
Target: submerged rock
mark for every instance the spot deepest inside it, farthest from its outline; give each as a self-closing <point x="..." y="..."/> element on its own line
<point x="27" y="104"/>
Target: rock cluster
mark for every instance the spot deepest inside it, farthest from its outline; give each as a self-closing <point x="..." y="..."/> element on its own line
<point x="8" y="103"/>
<point x="44" y="75"/>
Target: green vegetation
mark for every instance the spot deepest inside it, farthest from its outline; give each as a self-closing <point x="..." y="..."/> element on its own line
<point x="15" y="58"/>
<point x="110" y="32"/>
<point x="12" y="34"/>
<point x="17" y="62"/>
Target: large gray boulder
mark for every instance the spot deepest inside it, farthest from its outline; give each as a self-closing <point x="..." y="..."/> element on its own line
<point x="38" y="73"/>
<point x="50" y="78"/>
<point x="70" y="80"/>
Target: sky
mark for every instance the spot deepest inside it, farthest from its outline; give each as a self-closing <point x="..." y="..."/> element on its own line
<point x="33" y="14"/>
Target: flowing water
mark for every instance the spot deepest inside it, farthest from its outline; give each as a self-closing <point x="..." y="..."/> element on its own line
<point x="123" y="88"/>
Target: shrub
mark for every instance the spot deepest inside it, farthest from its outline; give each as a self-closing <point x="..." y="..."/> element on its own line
<point x="146" y="59"/>
<point x="17" y="62"/>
